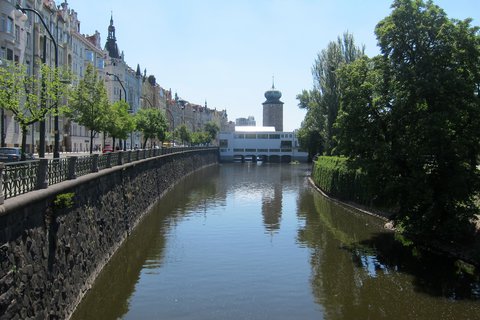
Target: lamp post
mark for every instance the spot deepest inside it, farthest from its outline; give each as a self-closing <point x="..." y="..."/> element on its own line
<point x="56" y="152"/>
<point x="125" y="99"/>
<point x="119" y="81"/>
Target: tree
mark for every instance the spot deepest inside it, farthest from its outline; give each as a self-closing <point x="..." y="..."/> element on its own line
<point x="89" y="104"/>
<point x="311" y="135"/>
<point x="417" y="106"/>
<point x="183" y="134"/>
<point x="340" y="52"/>
<point x="26" y="96"/>
<point x="200" y="138"/>
<point x="152" y="123"/>
<point x="211" y="128"/>
<point x="120" y="122"/>
<point x="322" y="102"/>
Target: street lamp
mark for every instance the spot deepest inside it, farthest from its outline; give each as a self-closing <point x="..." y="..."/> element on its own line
<point x="119" y="81"/>
<point x="56" y="152"/>
<point x="129" y="109"/>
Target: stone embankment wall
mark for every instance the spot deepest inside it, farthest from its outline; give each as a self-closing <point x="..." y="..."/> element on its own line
<point x="51" y="251"/>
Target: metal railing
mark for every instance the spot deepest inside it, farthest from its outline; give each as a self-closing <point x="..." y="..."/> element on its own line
<point x="21" y="177"/>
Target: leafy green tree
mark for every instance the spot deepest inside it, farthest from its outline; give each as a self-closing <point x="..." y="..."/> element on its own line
<point x="311" y="135"/>
<point x="152" y="123"/>
<point x="211" y="128"/>
<point x="89" y="104"/>
<point x="26" y="96"/>
<point x="200" y="138"/>
<point x="183" y="134"/>
<point x="324" y="70"/>
<point x="411" y="116"/>
<point x="120" y="122"/>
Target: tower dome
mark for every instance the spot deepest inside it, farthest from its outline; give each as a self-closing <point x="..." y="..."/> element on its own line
<point x="272" y="95"/>
<point x="273" y="109"/>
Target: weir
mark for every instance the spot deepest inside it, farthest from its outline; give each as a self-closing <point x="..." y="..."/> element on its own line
<point x="55" y="241"/>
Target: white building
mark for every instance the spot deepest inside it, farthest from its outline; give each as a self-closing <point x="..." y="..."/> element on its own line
<point x="260" y="143"/>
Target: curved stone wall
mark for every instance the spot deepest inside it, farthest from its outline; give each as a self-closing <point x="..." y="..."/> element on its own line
<point x="51" y="252"/>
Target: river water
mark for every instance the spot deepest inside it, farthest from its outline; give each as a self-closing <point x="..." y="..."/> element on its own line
<point x="256" y="241"/>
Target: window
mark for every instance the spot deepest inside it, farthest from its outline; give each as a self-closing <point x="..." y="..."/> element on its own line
<point x="29" y="40"/>
<point x="223" y="143"/>
<point x="89" y="55"/>
<point x="100" y="63"/>
<point x="3" y="23"/>
<point x="274" y="136"/>
<point x="16" y="126"/>
<point x="17" y="34"/>
<point x="9" y="28"/>
<point x="250" y="136"/>
<point x="262" y="136"/>
<point x="10" y="54"/>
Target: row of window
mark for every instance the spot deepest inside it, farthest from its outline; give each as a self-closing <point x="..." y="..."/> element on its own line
<point x="262" y="136"/>
<point x="258" y="150"/>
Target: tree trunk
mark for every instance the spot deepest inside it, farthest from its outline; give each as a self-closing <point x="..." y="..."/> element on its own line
<point x="24" y="143"/>
<point x="91" y="141"/>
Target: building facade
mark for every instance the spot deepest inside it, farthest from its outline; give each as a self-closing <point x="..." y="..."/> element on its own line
<point x="242" y="122"/>
<point x="260" y="144"/>
<point x="25" y="40"/>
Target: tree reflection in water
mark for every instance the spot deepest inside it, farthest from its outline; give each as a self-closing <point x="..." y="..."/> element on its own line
<point x="360" y="271"/>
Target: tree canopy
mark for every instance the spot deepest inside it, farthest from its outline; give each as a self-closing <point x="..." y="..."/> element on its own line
<point x="152" y="123"/>
<point x="322" y="102"/>
<point x="89" y="105"/>
<point x="29" y="97"/>
<point x="409" y="118"/>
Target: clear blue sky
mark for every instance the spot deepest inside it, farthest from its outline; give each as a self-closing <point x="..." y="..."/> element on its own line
<point x="226" y="52"/>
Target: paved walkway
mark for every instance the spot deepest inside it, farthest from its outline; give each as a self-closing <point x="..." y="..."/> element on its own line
<point x="67" y="154"/>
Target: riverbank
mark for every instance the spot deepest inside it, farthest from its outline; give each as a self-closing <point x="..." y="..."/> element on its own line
<point x="469" y="254"/>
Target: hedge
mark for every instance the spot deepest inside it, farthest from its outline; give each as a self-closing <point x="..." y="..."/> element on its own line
<point x="334" y="176"/>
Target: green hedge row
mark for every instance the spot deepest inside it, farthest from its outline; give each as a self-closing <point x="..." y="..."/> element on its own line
<point x="337" y="179"/>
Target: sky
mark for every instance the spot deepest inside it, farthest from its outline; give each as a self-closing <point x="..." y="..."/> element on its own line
<point x="227" y="52"/>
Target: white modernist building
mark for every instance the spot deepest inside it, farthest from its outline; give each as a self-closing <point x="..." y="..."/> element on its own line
<point x="260" y="144"/>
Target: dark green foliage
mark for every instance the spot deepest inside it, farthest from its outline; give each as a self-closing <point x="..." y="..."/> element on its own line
<point x="335" y="176"/>
<point x="410" y="119"/>
<point x="322" y="102"/>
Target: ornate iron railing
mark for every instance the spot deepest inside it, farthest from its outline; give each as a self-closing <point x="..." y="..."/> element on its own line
<point x="57" y="170"/>
<point x="21" y="177"/>
<point x="83" y="166"/>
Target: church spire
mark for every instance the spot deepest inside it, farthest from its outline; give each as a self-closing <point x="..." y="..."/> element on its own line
<point x="111" y="45"/>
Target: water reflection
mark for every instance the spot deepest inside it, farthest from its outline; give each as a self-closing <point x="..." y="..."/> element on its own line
<point x="359" y="272"/>
<point x="145" y="248"/>
<point x="255" y="242"/>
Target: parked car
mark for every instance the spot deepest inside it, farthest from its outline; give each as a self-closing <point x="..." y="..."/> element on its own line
<point x="107" y="148"/>
<point x="13" y="154"/>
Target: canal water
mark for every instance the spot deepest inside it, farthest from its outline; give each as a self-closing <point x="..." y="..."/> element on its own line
<point x="256" y="241"/>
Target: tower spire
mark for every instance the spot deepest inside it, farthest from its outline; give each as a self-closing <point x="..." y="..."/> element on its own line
<point x="111" y="44"/>
<point x="273" y="82"/>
